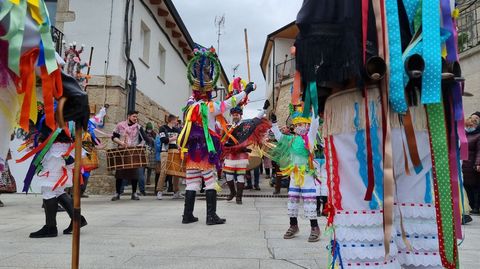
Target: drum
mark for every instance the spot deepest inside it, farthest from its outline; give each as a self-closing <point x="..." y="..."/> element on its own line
<point x="127" y="158"/>
<point x="90" y="161"/>
<point x="175" y="164"/>
<point x="254" y="158"/>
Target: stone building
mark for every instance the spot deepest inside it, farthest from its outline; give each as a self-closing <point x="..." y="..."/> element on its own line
<point x="160" y="47"/>
<point x="278" y="67"/>
<point x="469" y="46"/>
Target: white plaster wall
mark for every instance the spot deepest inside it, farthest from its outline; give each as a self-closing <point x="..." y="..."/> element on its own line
<point x="282" y="47"/>
<point x="470" y="63"/>
<point x="91" y="27"/>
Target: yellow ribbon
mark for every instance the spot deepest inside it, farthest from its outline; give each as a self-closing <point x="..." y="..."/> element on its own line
<point x="34" y="6"/>
<point x="298" y="173"/>
<point x="185" y="133"/>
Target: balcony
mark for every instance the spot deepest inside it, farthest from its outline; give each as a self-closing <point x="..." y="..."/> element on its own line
<point x="468" y="24"/>
<point x="57" y="37"/>
<point x="285" y="70"/>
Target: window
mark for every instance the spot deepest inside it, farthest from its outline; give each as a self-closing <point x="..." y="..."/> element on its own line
<point x="162" y="55"/>
<point x="145" y="38"/>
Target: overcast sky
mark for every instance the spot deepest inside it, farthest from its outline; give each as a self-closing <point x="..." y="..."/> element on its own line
<point x="260" y="17"/>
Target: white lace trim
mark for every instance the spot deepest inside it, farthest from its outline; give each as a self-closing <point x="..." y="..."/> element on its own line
<point x="412" y="210"/>
<point x="418" y="243"/>
<point x="419" y="258"/>
<point x="361" y="234"/>
<point x="418" y="226"/>
<point x="379" y="264"/>
<point x="359" y="218"/>
<point x="365" y="250"/>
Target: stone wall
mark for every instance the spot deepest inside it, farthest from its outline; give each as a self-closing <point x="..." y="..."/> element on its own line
<point x="112" y="92"/>
<point x="282" y="103"/>
<point x="470" y="63"/>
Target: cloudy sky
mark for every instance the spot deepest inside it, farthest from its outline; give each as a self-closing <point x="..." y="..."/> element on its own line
<point x="260" y="17"/>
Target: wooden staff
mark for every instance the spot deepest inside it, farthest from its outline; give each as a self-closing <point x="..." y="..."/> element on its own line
<point x="248" y="57"/>
<point x="76" y="198"/>
<point x="76" y="182"/>
<point x="88" y="70"/>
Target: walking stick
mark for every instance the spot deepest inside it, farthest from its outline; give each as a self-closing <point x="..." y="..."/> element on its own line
<point x="76" y="197"/>
<point x="248" y="57"/>
<point x="76" y="183"/>
<point x="88" y="70"/>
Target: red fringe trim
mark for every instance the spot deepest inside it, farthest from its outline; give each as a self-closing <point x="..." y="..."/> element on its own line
<point x="256" y="138"/>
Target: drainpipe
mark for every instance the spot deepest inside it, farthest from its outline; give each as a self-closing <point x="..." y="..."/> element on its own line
<point x="273" y="74"/>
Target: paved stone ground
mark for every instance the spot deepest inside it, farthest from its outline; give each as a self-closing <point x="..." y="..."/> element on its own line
<point x="148" y="234"/>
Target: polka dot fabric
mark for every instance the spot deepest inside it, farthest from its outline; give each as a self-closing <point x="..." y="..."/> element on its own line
<point x="442" y="184"/>
<point x="431" y="81"/>
<point x="397" y="95"/>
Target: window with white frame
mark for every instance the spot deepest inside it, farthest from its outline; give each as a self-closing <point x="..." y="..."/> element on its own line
<point x="145" y="39"/>
<point x="162" y="55"/>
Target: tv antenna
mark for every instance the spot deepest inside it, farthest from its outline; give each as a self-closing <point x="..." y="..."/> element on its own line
<point x="235" y="68"/>
<point x="219" y="24"/>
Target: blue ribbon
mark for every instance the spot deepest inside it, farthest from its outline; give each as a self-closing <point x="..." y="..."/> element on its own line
<point x="428" y="188"/>
<point x="431" y="82"/>
<point x="377" y="160"/>
<point x="336" y="254"/>
<point x="397" y="94"/>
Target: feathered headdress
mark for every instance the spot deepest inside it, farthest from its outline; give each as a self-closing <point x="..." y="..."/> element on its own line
<point x="296" y="114"/>
<point x="203" y="70"/>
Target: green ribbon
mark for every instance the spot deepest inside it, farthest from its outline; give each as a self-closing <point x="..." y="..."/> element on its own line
<point x="441" y="169"/>
<point x="46" y="36"/>
<point x="311" y="99"/>
<point x="208" y="137"/>
<point x="14" y="36"/>
<point x="44" y="151"/>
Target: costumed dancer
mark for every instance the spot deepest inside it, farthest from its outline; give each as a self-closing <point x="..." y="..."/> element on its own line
<point x="240" y="135"/>
<point x="31" y="52"/>
<point x="199" y="143"/>
<point x="294" y="154"/>
<point x="128" y="133"/>
<point x="362" y="123"/>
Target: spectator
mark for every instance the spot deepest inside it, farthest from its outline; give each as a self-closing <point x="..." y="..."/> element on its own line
<point x="150" y="142"/>
<point x="471" y="167"/>
<point x="168" y="136"/>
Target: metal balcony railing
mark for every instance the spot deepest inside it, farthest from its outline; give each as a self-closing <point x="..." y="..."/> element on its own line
<point x="285" y="70"/>
<point x="57" y="37"/>
<point x="468" y="24"/>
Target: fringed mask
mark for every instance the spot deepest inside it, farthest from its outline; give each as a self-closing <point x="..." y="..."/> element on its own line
<point x="203" y="72"/>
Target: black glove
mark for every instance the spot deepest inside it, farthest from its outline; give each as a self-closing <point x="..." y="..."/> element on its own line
<point x="273" y="118"/>
<point x="266" y="105"/>
<point x="250" y="87"/>
<point x="229" y="143"/>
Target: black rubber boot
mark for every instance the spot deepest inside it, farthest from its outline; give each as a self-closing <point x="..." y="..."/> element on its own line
<point x="66" y="201"/>
<point x="212" y="218"/>
<point x="240" y="186"/>
<point x="188" y="208"/>
<point x="231" y="186"/>
<point x="50" y="227"/>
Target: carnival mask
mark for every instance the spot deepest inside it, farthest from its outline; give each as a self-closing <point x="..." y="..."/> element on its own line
<point x="301" y="130"/>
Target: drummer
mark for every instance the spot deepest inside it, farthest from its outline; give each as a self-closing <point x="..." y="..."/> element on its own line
<point x="168" y="135"/>
<point x="236" y="162"/>
<point x="128" y="133"/>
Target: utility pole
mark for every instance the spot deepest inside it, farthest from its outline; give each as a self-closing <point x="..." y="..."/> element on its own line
<point x="219" y="24"/>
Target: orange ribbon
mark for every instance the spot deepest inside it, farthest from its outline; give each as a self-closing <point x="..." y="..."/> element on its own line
<point x="27" y="81"/>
